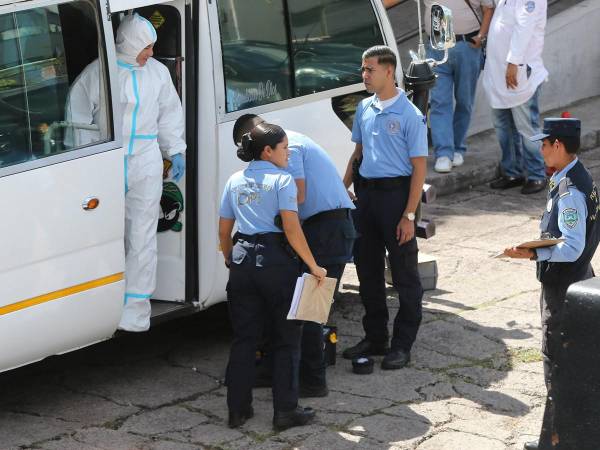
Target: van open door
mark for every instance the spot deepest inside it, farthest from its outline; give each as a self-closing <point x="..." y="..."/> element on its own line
<point x="176" y="274"/>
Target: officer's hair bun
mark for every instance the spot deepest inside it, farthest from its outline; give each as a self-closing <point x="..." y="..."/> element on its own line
<point x="245" y="152"/>
<point x="254" y="142"/>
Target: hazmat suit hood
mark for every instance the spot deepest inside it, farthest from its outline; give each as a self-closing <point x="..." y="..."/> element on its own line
<point x="134" y="34"/>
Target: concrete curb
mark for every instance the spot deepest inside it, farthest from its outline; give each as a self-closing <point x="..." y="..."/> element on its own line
<point x="483" y="155"/>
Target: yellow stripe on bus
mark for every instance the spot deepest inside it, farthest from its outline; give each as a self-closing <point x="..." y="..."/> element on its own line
<point x="61" y="293"/>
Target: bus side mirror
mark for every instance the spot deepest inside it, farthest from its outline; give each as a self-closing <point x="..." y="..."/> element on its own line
<point x="442" y="31"/>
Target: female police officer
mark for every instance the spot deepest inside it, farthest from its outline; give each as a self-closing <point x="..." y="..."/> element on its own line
<point x="263" y="272"/>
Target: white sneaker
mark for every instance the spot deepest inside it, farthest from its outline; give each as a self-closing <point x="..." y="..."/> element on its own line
<point x="443" y="165"/>
<point x="458" y="159"/>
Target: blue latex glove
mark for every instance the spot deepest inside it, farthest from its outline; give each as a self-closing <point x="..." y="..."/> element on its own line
<point x="178" y="166"/>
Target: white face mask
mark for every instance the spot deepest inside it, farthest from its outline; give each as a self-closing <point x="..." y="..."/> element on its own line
<point x="134" y="34"/>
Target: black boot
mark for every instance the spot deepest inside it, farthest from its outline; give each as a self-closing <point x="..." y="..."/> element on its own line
<point x="237" y="419"/>
<point x="282" y="420"/>
<point x="365" y="348"/>
<point x="395" y="359"/>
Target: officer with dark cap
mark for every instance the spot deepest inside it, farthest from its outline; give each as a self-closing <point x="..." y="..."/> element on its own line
<point x="324" y="209"/>
<point x="571" y="214"/>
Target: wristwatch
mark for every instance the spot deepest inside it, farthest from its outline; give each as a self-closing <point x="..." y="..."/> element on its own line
<point x="410" y="216"/>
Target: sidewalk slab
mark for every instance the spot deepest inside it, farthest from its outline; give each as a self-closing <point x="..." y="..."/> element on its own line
<point x="483" y="155"/>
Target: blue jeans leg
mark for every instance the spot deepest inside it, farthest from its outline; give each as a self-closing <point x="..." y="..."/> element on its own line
<point x="527" y="121"/>
<point x="441" y="111"/>
<point x="452" y="98"/>
<point x="509" y="140"/>
<point x="466" y="73"/>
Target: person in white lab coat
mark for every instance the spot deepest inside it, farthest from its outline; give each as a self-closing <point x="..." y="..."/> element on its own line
<point x="153" y="121"/>
<point x="512" y="77"/>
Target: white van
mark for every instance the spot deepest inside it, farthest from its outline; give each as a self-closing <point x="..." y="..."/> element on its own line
<point x="295" y="62"/>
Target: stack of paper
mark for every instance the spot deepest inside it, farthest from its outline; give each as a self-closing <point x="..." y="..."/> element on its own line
<point x="310" y="301"/>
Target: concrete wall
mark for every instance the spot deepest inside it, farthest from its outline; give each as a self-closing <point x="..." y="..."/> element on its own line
<point x="572" y="57"/>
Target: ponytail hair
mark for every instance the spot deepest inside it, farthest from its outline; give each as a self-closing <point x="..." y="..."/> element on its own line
<point x="253" y="143"/>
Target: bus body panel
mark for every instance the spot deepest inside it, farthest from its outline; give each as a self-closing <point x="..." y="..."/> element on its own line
<point x="52" y="241"/>
<point x="59" y="326"/>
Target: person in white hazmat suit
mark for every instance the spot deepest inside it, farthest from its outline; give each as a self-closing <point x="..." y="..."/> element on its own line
<point x="153" y="121"/>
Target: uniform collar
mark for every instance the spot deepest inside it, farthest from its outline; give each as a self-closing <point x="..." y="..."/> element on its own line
<point x="395" y="107"/>
<point x="556" y="177"/>
<point x="262" y="165"/>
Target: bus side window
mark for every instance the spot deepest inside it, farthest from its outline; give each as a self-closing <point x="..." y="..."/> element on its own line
<point x="328" y="39"/>
<point x="44" y="54"/>
<point x="256" y="60"/>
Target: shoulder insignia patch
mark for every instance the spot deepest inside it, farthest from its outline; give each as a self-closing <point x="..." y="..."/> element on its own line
<point x="570" y="217"/>
<point x="530" y="6"/>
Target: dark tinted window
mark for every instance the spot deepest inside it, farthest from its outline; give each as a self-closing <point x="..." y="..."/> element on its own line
<point x="328" y="39"/>
<point x="255" y="52"/>
<point x="277" y="49"/>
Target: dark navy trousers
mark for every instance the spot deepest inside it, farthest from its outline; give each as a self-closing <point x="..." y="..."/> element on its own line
<point x="262" y="278"/>
<point x="378" y="213"/>
<point x="331" y="241"/>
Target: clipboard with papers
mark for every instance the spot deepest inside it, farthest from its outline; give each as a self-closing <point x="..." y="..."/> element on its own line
<point x="536" y="243"/>
<point x="312" y="302"/>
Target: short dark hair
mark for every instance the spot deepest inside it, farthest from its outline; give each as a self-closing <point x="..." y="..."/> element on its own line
<point x="244" y="124"/>
<point x="571" y="143"/>
<point x="254" y="141"/>
<point x="383" y="53"/>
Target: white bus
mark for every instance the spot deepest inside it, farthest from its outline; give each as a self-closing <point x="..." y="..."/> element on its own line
<point x="295" y="62"/>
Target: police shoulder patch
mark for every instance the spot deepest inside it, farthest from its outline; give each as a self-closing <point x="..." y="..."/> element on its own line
<point x="530" y="6"/>
<point x="570" y="217"/>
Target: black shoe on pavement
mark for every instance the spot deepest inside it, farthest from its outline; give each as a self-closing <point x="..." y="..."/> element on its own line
<point x="506" y="182"/>
<point x="395" y="359"/>
<point x="533" y="445"/>
<point x="307" y="391"/>
<point x="533" y="186"/>
<point x="365" y="348"/>
<point x="237" y="419"/>
<point x="282" y="420"/>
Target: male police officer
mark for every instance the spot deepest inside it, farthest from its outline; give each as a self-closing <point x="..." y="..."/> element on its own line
<point x="324" y="208"/>
<point x="571" y="213"/>
<point x="391" y="139"/>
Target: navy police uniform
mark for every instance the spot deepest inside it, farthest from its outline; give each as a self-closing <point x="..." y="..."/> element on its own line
<point x="262" y="277"/>
<point x="329" y="231"/>
<point x="571" y="213"/>
<point x="390" y="136"/>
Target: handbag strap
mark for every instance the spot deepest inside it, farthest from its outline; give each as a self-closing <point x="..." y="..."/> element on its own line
<point x="474" y="13"/>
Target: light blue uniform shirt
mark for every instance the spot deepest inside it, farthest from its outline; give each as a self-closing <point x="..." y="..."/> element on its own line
<point x="574" y="236"/>
<point x="324" y="187"/>
<point x="253" y="197"/>
<point x="390" y="137"/>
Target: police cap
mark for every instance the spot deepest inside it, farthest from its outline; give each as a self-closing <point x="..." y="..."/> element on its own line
<point x="559" y="127"/>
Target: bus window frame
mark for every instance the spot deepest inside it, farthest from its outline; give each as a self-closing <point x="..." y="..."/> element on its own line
<point x="220" y="91"/>
<point x="110" y="80"/>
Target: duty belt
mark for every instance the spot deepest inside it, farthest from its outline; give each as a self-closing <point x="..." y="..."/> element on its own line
<point x="259" y="238"/>
<point x="339" y="213"/>
<point x="383" y="183"/>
